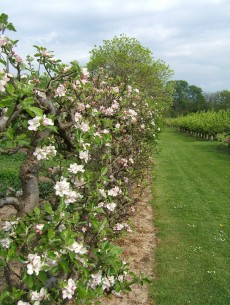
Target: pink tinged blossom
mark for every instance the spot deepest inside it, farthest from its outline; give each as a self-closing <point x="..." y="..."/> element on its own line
<point x="84" y="127"/>
<point x="18" y="59"/>
<point x="85" y="72"/>
<point x="115" y="191"/>
<point x="34" y="123"/>
<point x="69" y="289"/>
<point x="62" y="187"/>
<point x="47" y="122"/>
<point x="75" y="168"/>
<point x="118" y="227"/>
<point x="132" y="112"/>
<point x="115" y="105"/>
<point x="34" y="265"/>
<point x="60" y="91"/>
<point x="39" y="228"/>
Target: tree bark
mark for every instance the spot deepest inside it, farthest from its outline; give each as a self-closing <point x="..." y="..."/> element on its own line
<point x="29" y="178"/>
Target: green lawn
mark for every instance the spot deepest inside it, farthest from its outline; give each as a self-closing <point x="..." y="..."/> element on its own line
<point x="192" y="217"/>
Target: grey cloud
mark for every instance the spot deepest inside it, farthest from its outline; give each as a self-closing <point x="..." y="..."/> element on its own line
<point x="191" y="36"/>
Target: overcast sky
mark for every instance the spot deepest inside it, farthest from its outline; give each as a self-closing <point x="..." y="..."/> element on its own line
<point x="191" y="36"/>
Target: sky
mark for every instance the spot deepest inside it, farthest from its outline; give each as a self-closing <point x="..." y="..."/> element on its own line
<point x="191" y="36"/>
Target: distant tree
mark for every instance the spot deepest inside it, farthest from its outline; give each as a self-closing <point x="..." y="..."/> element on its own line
<point x="127" y="58"/>
<point x="218" y="100"/>
<point x="187" y="98"/>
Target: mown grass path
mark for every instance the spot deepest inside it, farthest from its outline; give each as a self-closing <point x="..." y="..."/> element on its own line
<point x="192" y="218"/>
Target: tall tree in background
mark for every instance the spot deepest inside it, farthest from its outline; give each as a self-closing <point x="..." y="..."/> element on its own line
<point x="187" y="98"/>
<point x="127" y="58"/>
<point x="218" y="100"/>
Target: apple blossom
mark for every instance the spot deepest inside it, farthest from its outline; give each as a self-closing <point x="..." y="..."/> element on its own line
<point x="69" y="289"/>
<point x="75" y="168"/>
<point x="34" y="265"/>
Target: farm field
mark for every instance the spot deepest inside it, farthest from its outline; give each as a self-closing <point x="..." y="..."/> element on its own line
<point x="192" y="219"/>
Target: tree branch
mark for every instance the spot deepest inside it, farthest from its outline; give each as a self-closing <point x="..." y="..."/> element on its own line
<point x="10" y="201"/>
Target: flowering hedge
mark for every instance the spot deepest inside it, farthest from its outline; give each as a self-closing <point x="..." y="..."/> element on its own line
<point x="90" y="140"/>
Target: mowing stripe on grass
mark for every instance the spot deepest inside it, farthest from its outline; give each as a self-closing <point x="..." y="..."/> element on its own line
<point x="192" y="212"/>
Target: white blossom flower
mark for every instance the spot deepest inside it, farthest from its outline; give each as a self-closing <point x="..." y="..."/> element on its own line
<point x="3" y="40"/>
<point x="111" y="206"/>
<point x="72" y="196"/>
<point x="38" y="296"/>
<point x="9" y="225"/>
<point x="96" y="279"/>
<point x="20" y="302"/>
<point x="118" y="227"/>
<point x="107" y="282"/>
<point x="5" y="242"/>
<point x="68" y="290"/>
<point x="102" y="193"/>
<point x="115" y="191"/>
<point x="34" y="265"/>
<point x="77" y="117"/>
<point x="62" y="187"/>
<point x="84" y="127"/>
<point x="45" y="152"/>
<point x="34" y="123"/>
<point x="78" y="248"/>
<point x="84" y="155"/>
<point x="75" y="168"/>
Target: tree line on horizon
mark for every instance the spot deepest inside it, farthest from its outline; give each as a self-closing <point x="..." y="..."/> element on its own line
<point x="190" y="99"/>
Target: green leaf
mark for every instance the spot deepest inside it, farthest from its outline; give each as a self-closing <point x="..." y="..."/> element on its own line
<point x="48" y="208"/>
<point x="51" y="233"/>
<point x="37" y="111"/>
<point x="10" y="88"/>
<point x="27" y="102"/>
<point x="6" y="101"/>
<point x="10" y="27"/>
<point x="104" y="171"/>
<point x="10" y="133"/>
<point x="28" y="279"/>
<point x="42" y="276"/>
<point x="37" y="211"/>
